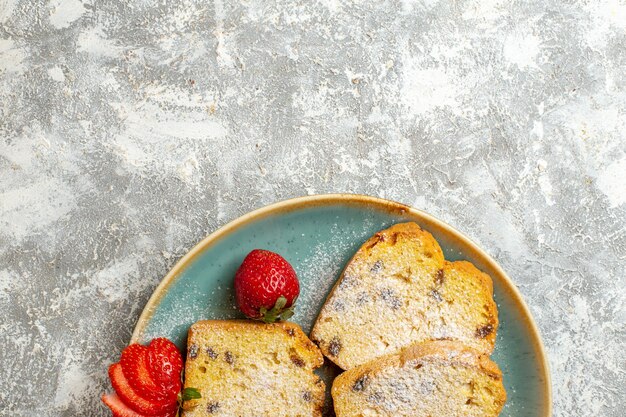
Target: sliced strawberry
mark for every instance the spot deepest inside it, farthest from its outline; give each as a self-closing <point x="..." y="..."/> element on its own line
<point x="132" y="399"/>
<point x="120" y="409"/>
<point x="134" y="363"/>
<point x="164" y="361"/>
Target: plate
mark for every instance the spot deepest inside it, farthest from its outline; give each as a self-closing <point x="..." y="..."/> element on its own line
<point x="318" y="235"/>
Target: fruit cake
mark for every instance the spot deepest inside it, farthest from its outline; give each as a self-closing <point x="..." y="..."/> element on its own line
<point x="397" y="290"/>
<point x="245" y="369"/>
<point x="429" y="379"/>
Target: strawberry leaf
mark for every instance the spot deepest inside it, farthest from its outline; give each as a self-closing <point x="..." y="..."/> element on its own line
<point x="270" y="316"/>
<point x="287" y="314"/>
<point x="191" y="394"/>
<point x="280" y="303"/>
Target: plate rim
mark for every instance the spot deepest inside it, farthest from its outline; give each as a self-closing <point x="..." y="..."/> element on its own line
<point x="350" y="199"/>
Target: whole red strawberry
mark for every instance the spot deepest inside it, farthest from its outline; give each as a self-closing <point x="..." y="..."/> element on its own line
<point x="266" y="286"/>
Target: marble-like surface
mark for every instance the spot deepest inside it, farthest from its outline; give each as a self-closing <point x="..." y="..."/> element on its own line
<point x="130" y="130"/>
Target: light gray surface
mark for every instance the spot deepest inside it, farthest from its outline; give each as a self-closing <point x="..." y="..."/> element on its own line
<point x="128" y="133"/>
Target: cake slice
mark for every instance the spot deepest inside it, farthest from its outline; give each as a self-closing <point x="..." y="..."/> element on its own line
<point x="430" y="379"/>
<point x="244" y="368"/>
<point x="398" y="290"/>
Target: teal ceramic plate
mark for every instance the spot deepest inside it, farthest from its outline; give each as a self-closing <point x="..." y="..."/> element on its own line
<point x="318" y="235"/>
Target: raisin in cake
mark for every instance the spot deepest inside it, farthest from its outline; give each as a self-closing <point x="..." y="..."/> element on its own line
<point x="398" y="290"/>
<point x="430" y="379"/>
<point x="244" y="368"/>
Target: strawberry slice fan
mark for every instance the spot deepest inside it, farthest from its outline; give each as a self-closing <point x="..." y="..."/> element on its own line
<point x="147" y="381"/>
